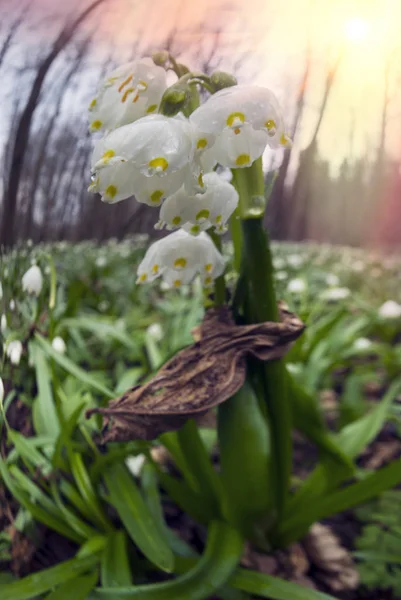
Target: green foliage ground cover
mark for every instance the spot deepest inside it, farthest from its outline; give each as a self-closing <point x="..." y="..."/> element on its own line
<point x="116" y="334"/>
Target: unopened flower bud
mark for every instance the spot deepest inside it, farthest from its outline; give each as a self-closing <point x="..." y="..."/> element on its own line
<point x="58" y="345"/>
<point x="32" y="281"/>
<point x="160" y="58"/>
<point x="221" y="80"/>
<point x="174" y="99"/>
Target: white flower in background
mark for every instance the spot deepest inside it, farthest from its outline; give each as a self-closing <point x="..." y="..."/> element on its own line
<point x="296" y="286"/>
<point x="196" y="213"/>
<point x="179" y="257"/>
<point x="14" y="351"/>
<point x="362" y="343"/>
<point x="281" y="275"/>
<point x="29" y="243"/>
<point x="12" y="304"/>
<point x="332" y="279"/>
<point x="1" y="391"/>
<point x="3" y="323"/>
<point x="390" y="310"/>
<point x="295" y="261"/>
<point x="155" y="331"/>
<point x="58" y="345"/>
<point x="135" y="464"/>
<point x="150" y="158"/>
<point x="279" y="263"/>
<point x="244" y="120"/>
<point x="339" y="293"/>
<point x="128" y="93"/>
<point x="101" y="261"/>
<point x="32" y="280"/>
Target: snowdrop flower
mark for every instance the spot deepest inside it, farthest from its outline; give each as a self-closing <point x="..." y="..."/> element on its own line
<point x="12" y="304"/>
<point x="244" y="120"/>
<point x="390" y="310"/>
<point x="279" y="263"/>
<point x="281" y="275"/>
<point x="135" y="464"/>
<point x="332" y="279"/>
<point x="362" y="343"/>
<point x="212" y="208"/>
<point x="32" y="280"/>
<point x="295" y="261"/>
<point x="155" y="331"/>
<point x="128" y="93"/>
<point x="58" y="345"/>
<point x="179" y="257"/>
<point x="14" y="351"/>
<point x="150" y="158"/>
<point x="339" y="293"/>
<point x="101" y="261"/>
<point x="3" y="323"/>
<point x="296" y="286"/>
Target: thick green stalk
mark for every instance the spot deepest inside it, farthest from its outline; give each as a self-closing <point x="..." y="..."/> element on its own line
<point x="219" y="284"/>
<point x="261" y="306"/>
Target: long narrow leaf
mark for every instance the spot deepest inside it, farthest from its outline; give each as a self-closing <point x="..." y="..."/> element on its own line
<point x="77" y="589"/>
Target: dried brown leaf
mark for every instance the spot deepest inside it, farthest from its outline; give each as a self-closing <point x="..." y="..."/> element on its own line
<point x="199" y="377"/>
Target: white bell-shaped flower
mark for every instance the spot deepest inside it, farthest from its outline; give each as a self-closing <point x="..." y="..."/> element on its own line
<point x="58" y="345"/>
<point x="32" y="280"/>
<point x="244" y="120"/>
<point x="130" y="92"/>
<point x="179" y="257"/>
<point x="198" y="212"/>
<point x="150" y="159"/>
<point x="14" y="351"/>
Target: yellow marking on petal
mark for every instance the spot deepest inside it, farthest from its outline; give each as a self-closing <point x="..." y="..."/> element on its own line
<point x="180" y="263"/>
<point x="111" y="191"/>
<point x="243" y="160"/>
<point x="143" y="277"/>
<point x="209" y="268"/>
<point x="208" y="280"/>
<point x="151" y="108"/>
<point x="93" y="104"/>
<point x="234" y="118"/>
<point x="176" y="220"/>
<point x="195" y="229"/>
<point x="218" y="219"/>
<point x="107" y="156"/>
<point x="96" y="125"/>
<point x="125" y="82"/>
<point x="126" y="94"/>
<point x="285" y="140"/>
<point x="202" y="214"/>
<point x="237" y="130"/>
<point x="270" y="125"/>
<point x="200" y="180"/>
<point x="142" y="85"/>
<point x="202" y="143"/>
<point x="155" y="269"/>
<point x="156" y="196"/>
<point x="177" y="283"/>
<point x="158" y="163"/>
<point x="112" y="80"/>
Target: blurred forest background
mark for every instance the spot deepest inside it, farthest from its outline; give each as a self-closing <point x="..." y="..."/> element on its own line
<point x="336" y="70"/>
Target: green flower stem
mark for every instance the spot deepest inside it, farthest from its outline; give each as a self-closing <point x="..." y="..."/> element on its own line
<point x="261" y="306"/>
<point x="219" y="284"/>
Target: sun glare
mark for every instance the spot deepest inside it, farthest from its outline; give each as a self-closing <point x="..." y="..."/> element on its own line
<point x="356" y="29"/>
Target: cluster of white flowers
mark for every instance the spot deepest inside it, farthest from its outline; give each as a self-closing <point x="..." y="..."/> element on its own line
<point x="168" y="162"/>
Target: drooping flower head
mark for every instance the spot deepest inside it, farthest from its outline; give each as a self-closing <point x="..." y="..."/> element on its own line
<point x="14" y="351"/>
<point x="199" y="212"/>
<point x="150" y="158"/>
<point x="128" y="93"/>
<point x="179" y="257"/>
<point x="242" y="120"/>
<point x="32" y="280"/>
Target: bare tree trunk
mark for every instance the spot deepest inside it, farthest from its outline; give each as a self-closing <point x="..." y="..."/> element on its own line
<point x="15" y="25"/>
<point x="24" y="126"/>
